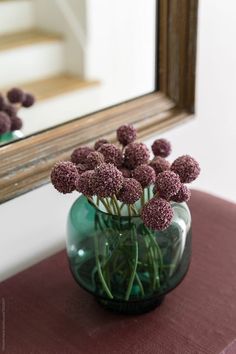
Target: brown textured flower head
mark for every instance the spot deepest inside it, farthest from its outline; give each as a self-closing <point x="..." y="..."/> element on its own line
<point x="107" y="180"/>
<point x="136" y="154"/>
<point x="157" y="214"/>
<point x="10" y="110"/>
<point x="126" y="134"/>
<point x="145" y="174"/>
<point x="81" y="168"/>
<point x="130" y="192"/>
<point x="99" y="143"/>
<point x="84" y="183"/>
<point x="187" y="168"/>
<point x="16" y="123"/>
<point x="28" y="100"/>
<point x="159" y="164"/>
<point x="161" y="147"/>
<point x="112" y="154"/>
<point x="15" y="95"/>
<point x="2" y="102"/>
<point x="125" y="172"/>
<point x="80" y="154"/>
<point x="183" y="195"/>
<point x="94" y="159"/>
<point x="167" y="184"/>
<point x="63" y="176"/>
<point x="5" y="123"/>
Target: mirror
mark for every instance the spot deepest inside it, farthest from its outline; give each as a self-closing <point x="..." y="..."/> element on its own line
<point x="74" y="56"/>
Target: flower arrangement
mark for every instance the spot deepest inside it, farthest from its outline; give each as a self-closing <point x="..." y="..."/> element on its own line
<point x="124" y="179"/>
<point x="129" y="236"/>
<point x="10" y="105"/>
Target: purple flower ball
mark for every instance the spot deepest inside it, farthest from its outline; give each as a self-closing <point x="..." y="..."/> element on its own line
<point x="136" y="154"/>
<point x="167" y="184"/>
<point x="5" y="123"/>
<point x="130" y="192"/>
<point x="157" y="214"/>
<point x="84" y="184"/>
<point x="112" y="154"/>
<point x="99" y="143"/>
<point x="126" y="134"/>
<point x="16" y="123"/>
<point x="15" y="95"/>
<point x="161" y="147"/>
<point x="80" y="154"/>
<point x="64" y="176"/>
<point x="187" y="168"/>
<point x="145" y="174"/>
<point x="159" y="164"/>
<point x="28" y="100"/>
<point x="107" y="180"/>
<point x="94" y="159"/>
<point x="10" y="110"/>
<point x="183" y="195"/>
<point x="125" y="172"/>
<point x="81" y="168"/>
<point x="2" y="102"/>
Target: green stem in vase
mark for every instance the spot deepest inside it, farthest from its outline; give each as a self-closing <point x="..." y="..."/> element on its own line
<point x="106" y="205"/>
<point x="99" y="268"/>
<point x="156" y="245"/>
<point x="131" y="280"/>
<point x="116" y="204"/>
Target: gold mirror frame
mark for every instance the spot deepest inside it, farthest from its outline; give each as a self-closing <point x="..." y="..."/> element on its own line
<point x="26" y="164"/>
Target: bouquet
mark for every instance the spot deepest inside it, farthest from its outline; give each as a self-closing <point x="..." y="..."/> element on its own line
<point x="125" y="180"/>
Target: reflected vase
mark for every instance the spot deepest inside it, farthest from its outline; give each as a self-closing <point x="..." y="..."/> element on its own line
<point x="126" y="266"/>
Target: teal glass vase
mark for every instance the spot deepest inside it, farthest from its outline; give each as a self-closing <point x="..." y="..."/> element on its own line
<point x="126" y="266"/>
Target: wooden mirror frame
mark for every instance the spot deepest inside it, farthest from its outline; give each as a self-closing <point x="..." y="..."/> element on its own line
<point x="26" y="164"/>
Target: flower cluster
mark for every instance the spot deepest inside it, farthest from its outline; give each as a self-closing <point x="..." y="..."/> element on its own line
<point x="9" y="108"/>
<point x="126" y="179"/>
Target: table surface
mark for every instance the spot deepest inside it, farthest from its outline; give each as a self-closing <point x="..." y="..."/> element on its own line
<point x="45" y="311"/>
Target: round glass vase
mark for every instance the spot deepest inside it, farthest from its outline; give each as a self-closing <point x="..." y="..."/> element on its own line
<point x="126" y="266"/>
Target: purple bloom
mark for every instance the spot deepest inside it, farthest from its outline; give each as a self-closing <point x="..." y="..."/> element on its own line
<point x="10" y="110"/>
<point x="126" y="134"/>
<point x="15" y="95"/>
<point x="145" y="174"/>
<point x="80" y="154"/>
<point x="63" y="176"/>
<point x="94" y="159"/>
<point x="187" y="168"/>
<point x="112" y="154"/>
<point x="159" y="164"/>
<point x="157" y="214"/>
<point x="125" y="172"/>
<point x="84" y="183"/>
<point x="130" y="192"/>
<point x="183" y="195"/>
<point x="16" y="123"/>
<point x="161" y="147"/>
<point x="28" y="100"/>
<point x="107" y="180"/>
<point x="5" y="123"/>
<point x="81" y="168"/>
<point x="167" y="184"/>
<point x="99" y="143"/>
<point x="136" y="154"/>
<point x="2" y="102"/>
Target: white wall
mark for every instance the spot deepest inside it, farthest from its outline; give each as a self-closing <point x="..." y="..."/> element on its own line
<point x="40" y="216"/>
<point x="121" y="47"/>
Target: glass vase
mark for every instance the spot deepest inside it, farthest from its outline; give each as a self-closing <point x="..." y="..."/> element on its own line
<point x="126" y="266"/>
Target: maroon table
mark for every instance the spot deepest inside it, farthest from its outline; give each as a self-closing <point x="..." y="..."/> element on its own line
<point x="46" y="311"/>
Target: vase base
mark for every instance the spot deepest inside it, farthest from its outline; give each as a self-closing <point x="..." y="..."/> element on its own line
<point x="131" y="308"/>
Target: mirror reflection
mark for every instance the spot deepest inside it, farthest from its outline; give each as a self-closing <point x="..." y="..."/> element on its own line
<point x="62" y="59"/>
